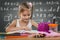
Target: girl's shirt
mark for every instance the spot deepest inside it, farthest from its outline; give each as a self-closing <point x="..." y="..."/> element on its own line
<point x="29" y="25"/>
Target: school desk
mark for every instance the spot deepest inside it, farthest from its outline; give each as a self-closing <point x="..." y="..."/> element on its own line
<point x="4" y="36"/>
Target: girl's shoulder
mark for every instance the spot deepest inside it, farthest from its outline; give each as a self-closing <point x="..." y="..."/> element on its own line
<point x="34" y="23"/>
<point x="14" y="21"/>
<point x="32" y="20"/>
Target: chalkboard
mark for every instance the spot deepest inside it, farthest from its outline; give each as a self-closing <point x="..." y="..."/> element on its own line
<point x="43" y="11"/>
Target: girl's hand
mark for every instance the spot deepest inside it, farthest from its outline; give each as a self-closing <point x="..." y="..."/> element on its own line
<point x="23" y="28"/>
<point x="26" y="28"/>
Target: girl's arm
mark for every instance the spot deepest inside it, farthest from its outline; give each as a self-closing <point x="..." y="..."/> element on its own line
<point x="34" y="24"/>
<point x="12" y="27"/>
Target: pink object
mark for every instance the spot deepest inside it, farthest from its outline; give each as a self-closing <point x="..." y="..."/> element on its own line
<point x="44" y="29"/>
<point x="43" y="26"/>
<point x="30" y="4"/>
<point x="51" y="34"/>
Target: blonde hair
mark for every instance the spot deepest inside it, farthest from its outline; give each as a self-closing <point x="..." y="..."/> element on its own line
<point x="23" y="7"/>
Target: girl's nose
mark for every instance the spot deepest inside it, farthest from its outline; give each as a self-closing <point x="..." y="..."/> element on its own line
<point x="27" y="17"/>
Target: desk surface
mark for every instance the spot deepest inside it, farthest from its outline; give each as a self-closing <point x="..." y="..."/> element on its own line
<point x="51" y="38"/>
<point x="26" y="38"/>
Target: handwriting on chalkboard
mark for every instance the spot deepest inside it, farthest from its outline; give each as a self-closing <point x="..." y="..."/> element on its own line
<point x="8" y="17"/>
<point x="34" y="3"/>
<point x="40" y="15"/>
<point x="51" y="9"/>
<point x="47" y="3"/>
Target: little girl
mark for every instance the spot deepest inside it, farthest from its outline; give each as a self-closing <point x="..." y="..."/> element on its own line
<point x="25" y="21"/>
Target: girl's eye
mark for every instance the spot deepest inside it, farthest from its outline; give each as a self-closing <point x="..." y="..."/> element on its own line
<point x="24" y="15"/>
<point x="28" y="14"/>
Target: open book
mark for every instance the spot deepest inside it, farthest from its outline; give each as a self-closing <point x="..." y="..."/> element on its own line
<point x="23" y="31"/>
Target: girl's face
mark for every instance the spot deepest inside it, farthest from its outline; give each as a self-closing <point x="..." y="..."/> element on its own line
<point x="25" y="15"/>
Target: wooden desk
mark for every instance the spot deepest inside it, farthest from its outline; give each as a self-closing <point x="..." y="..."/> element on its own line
<point x="26" y="38"/>
<point x="51" y="38"/>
